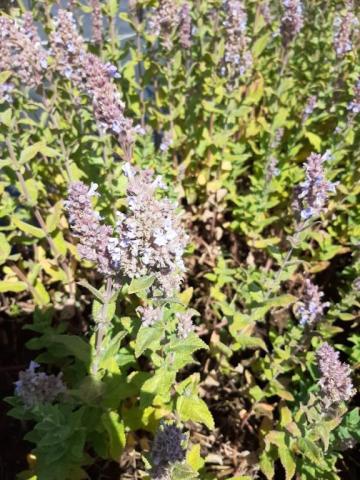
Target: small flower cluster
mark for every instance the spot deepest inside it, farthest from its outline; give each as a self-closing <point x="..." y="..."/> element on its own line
<point x="313" y="192"/>
<point x="36" y="388"/>
<point x="168" y="448"/>
<point x="67" y="47"/>
<point x="22" y="53"/>
<point x="344" y="28"/>
<point x="164" y="20"/>
<point x="185" y="324"/>
<point x="149" y="240"/>
<point x="335" y="381"/>
<point x="292" y="20"/>
<point x="108" y="107"/>
<point x="354" y="105"/>
<point x="85" y="221"/>
<point x="93" y="77"/>
<point x="266" y="12"/>
<point x="96" y="21"/>
<point x="272" y="170"/>
<point x="311" y="308"/>
<point x="237" y="59"/>
<point x="150" y="315"/>
<point x="309" y="107"/>
<point x="185" y="26"/>
<point x="166" y="141"/>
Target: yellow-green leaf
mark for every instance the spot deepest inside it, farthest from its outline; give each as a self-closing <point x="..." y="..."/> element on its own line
<point x="27" y="228"/>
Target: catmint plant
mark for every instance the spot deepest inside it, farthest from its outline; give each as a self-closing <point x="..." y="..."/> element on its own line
<point x="22" y="52"/>
<point x="346" y="26"/>
<point x="96" y="21"/>
<point x="335" y="382"/>
<point x="149" y="239"/>
<point x="313" y="192"/>
<point x="237" y="60"/>
<point x="169" y="448"/>
<point x="311" y="307"/>
<point x="292" y="20"/>
<point x="94" y="237"/>
<point x="38" y="388"/>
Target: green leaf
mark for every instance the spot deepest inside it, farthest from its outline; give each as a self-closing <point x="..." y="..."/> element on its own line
<point x="267" y="465"/>
<point x="260" y="45"/>
<point x="5" y="117"/>
<point x="32" y="189"/>
<point x="182" y="350"/>
<point x="140" y="284"/>
<point x="148" y="338"/>
<point x="97" y="294"/>
<point x="182" y="471"/>
<point x="28" y="153"/>
<point x="5" y="248"/>
<point x="194" y="459"/>
<point x="27" y="228"/>
<point x="8" y="286"/>
<point x="288" y="462"/>
<point x="4" y="76"/>
<point x="52" y="221"/>
<point x="310" y="450"/>
<point x="73" y="345"/>
<point x="160" y="383"/>
<point x="112" y="7"/>
<point x="314" y="139"/>
<point x="195" y="409"/>
<point x="115" y="429"/>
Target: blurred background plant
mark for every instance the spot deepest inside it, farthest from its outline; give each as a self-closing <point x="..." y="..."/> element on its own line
<point x="248" y="111"/>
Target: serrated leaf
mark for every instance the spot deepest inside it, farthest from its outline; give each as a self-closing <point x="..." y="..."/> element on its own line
<point x="288" y="461"/>
<point x="195" y="409"/>
<point x="148" y="338"/>
<point x="267" y="465"/>
<point x="182" y="471"/>
<point x="160" y="383"/>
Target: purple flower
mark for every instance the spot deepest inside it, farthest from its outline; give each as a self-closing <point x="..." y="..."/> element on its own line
<point x="237" y="59"/>
<point x="185" y="26"/>
<point x="37" y="387"/>
<point x="335" y="382"/>
<point x="94" y="237"/>
<point x="354" y="105"/>
<point x="21" y="50"/>
<point x="150" y="315"/>
<point x="292" y="20"/>
<point x="345" y="26"/>
<point x="312" y="193"/>
<point x="311" y="308"/>
<point x="185" y="325"/>
<point x="309" y="107"/>
<point x="166" y="141"/>
<point x="92" y="77"/>
<point x="149" y="239"/>
<point x="96" y="21"/>
<point x="169" y="447"/>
